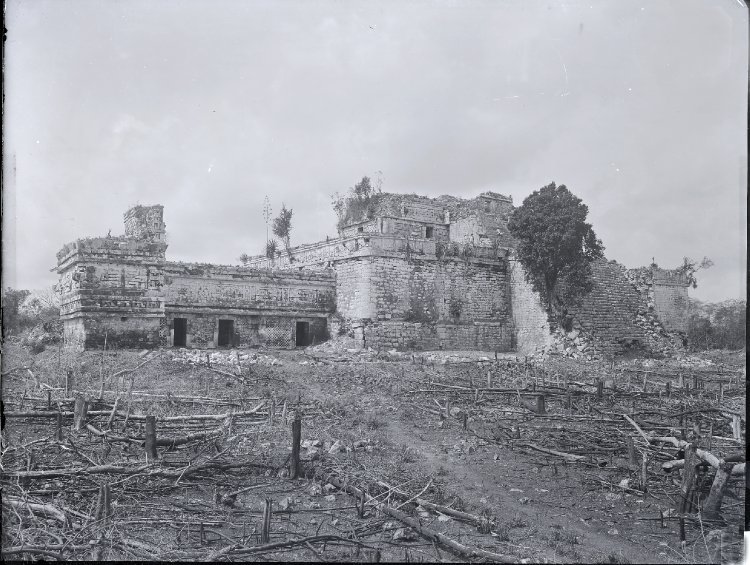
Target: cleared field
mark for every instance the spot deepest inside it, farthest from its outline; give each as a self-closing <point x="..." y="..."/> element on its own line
<point x="426" y="456"/>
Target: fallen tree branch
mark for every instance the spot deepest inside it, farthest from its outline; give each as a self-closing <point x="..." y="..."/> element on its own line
<point x="423" y="531"/>
<point x="569" y="456"/>
<point x="46" y="509"/>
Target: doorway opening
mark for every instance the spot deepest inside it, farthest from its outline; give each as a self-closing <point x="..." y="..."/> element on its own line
<point x="226" y="333"/>
<point x="180" y="332"/>
<point x="302" y="336"/>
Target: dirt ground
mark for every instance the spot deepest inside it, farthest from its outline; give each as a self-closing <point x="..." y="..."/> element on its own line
<point x="458" y="429"/>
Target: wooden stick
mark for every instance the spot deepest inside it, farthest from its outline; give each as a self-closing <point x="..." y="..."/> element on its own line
<point x="296" y="439"/>
<point x="101" y="365"/>
<point x="58" y="427"/>
<point x="69" y="383"/>
<point x="688" y="480"/>
<point x="79" y="415"/>
<point x="151" y="438"/>
<point x="114" y="411"/>
<point x="712" y="507"/>
<point x="265" y="533"/>
<point x="45" y="509"/>
<point x="424" y="531"/>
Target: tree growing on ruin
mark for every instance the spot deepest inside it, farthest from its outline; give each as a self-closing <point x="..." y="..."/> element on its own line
<point x="359" y="203"/>
<point x="282" y="225"/>
<point x="556" y="245"/>
<point x="271" y="248"/>
<point x="690" y="267"/>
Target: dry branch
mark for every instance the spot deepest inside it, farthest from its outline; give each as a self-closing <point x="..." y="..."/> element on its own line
<point x="423" y="531"/>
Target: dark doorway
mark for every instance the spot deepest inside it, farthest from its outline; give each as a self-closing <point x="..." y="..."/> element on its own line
<point x="226" y="333"/>
<point x="302" y="338"/>
<point x="180" y="332"/>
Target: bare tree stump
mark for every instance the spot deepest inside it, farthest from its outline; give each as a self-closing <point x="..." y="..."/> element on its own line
<point x="58" y="430"/>
<point x="688" y="480"/>
<point x="712" y="507"/>
<point x="631" y="452"/>
<point x="540" y="409"/>
<point x="736" y="428"/>
<point x="69" y="383"/>
<point x="294" y="466"/>
<point x="80" y="409"/>
<point x="265" y="532"/>
<point x="104" y="504"/>
<point x="151" y="437"/>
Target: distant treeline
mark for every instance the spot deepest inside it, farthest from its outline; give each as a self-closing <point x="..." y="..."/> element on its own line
<point x="24" y="309"/>
<point x="718" y="325"/>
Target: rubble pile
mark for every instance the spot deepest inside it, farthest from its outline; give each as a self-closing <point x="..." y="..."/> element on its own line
<point x="228" y="358"/>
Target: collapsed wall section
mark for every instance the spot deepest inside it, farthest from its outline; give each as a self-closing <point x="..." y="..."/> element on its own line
<point x="616" y="317"/>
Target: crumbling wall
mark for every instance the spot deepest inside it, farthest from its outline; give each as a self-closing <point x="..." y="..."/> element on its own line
<point x="666" y="293"/>
<point x="145" y="223"/>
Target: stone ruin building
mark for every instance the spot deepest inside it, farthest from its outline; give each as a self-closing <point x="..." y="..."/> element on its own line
<point x="418" y="273"/>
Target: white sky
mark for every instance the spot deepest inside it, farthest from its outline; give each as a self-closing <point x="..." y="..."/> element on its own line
<point x="639" y="107"/>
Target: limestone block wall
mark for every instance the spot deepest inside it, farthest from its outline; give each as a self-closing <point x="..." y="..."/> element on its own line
<point x="530" y="320"/>
<point x="416" y="296"/>
<point x="249" y="330"/>
<point x="671" y="306"/>
<point x="428" y="290"/>
<point x="145" y="222"/>
<point x="445" y="336"/>
<point x="414" y="229"/>
<point x="217" y="286"/>
<point x="122" y="332"/>
<point x="609" y="311"/>
<point x="465" y="230"/>
<point x="353" y="296"/>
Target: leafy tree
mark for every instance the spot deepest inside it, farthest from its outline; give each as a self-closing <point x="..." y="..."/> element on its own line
<point x="14" y="320"/>
<point x="555" y="244"/>
<point x="282" y="225"/>
<point x="245" y="259"/>
<point x="358" y="204"/>
<point x="690" y="267"/>
<point x="271" y="249"/>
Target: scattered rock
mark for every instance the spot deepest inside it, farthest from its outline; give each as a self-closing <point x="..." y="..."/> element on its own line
<point x="404" y="534"/>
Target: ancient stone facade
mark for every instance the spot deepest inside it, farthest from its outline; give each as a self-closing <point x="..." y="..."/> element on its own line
<point x="122" y="291"/>
<point x="417" y="273"/>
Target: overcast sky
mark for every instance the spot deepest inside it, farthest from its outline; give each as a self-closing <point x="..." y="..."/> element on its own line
<point x="206" y="107"/>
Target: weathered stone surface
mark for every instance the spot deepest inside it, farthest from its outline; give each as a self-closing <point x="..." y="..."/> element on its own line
<point x="418" y="273"/>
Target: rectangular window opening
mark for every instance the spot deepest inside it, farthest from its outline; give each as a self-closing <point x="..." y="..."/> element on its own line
<point x="428" y="232"/>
